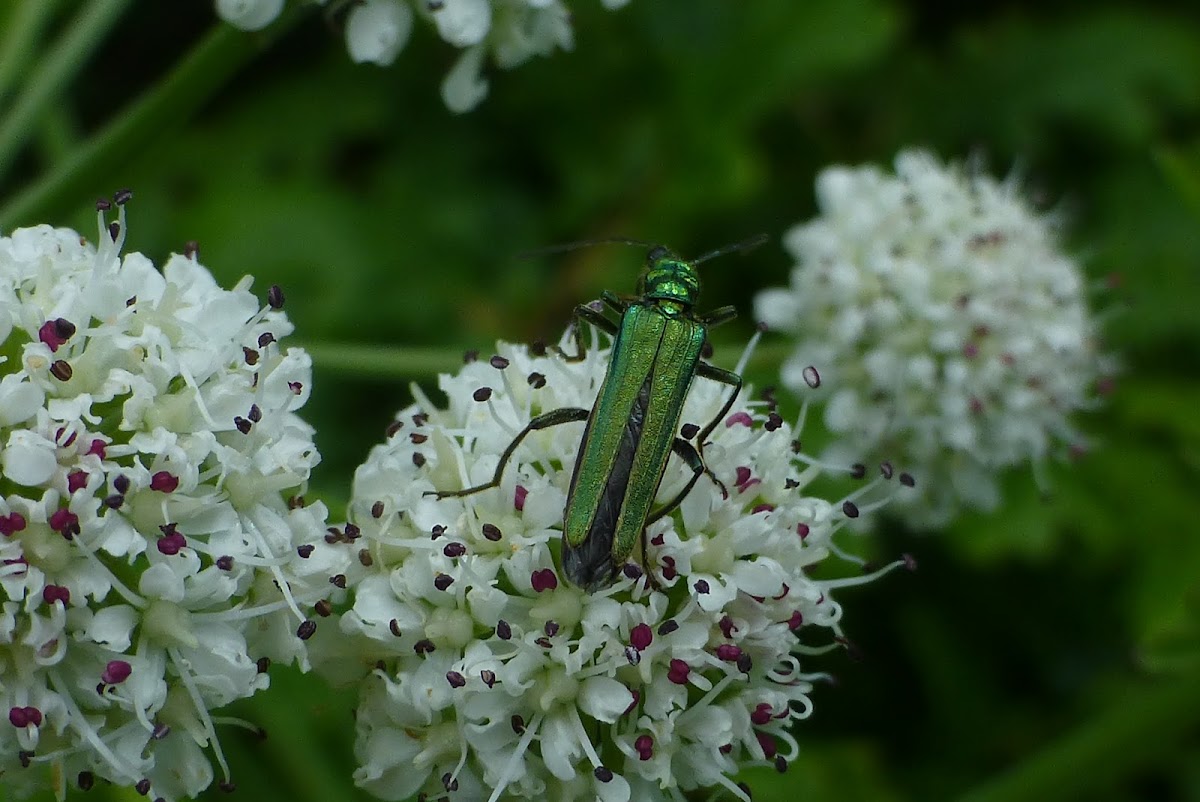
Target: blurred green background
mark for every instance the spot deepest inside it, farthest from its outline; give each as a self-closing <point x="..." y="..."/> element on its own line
<point x="1049" y="651"/>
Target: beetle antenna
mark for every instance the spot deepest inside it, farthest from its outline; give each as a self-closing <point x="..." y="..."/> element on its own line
<point x="744" y="245"/>
<point x="583" y="243"/>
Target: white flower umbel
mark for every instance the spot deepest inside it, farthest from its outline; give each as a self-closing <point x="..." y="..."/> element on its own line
<point x="490" y="677"/>
<point x="153" y="543"/>
<point x="951" y="331"/>
<point x="510" y="32"/>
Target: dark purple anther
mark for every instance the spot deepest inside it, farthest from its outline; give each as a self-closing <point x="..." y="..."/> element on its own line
<point x="171" y="544"/>
<point x="24" y="716"/>
<point x="678" y="672"/>
<point x="65" y="522"/>
<point x="543" y="579"/>
<point x="12" y="523"/>
<point x="455" y="679"/>
<point x="164" y="482"/>
<point x="275" y="297"/>
<point x="644" y="746"/>
<point x="55" y="333"/>
<point x="640" y="637"/>
<point x="739" y="418"/>
<point x="116" y="672"/>
<point x="61" y="370"/>
<point x="728" y="652"/>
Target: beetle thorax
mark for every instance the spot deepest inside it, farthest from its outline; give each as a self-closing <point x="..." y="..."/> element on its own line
<point x="669" y="278"/>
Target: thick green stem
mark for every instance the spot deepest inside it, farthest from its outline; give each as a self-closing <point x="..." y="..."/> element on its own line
<point x="22" y="27"/>
<point x="1136" y="730"/>
<point x="383" y="362"/>
<point x="395" y="362"/>
<point x="163" y="108"/>
<point x="54" y="70"/>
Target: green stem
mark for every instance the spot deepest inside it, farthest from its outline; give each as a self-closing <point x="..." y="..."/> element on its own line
<point x="164" y="107"/>
<point x="395" y="362"/>
<point x="23" y="27"/>
<point x="59" y="65"/>
<point x="383" y="362"/>
<point x="1135" y="731"/>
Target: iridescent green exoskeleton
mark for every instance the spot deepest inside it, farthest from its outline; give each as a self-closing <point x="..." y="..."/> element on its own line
<point x="633" y="427"/>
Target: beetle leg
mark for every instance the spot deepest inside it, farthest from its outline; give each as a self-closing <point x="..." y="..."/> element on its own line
<point x="718" y="316"/>
<point x="596" y="317"/>
<point x="724" y="377"/>
<point x="544" y="421"/>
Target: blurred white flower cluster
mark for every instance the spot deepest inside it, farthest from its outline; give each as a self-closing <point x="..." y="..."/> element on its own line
<point x="952" y="332"/>
<point x="509" y="31"/>
<point x="154" y="551"/>
<point x="485" y="676"/>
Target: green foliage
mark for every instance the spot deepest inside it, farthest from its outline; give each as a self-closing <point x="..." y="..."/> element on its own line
<point x="1056" y="641"/>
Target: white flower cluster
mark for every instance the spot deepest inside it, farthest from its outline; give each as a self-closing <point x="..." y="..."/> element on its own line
<point x="152" y="541"/>
<point x="509" y="31"/>
<point x="490" y="677"/>
<point x="951" y="331"/>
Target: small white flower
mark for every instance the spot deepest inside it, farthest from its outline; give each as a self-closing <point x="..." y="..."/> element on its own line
<point x="249" y="15"/>
<point x="952" y="333"/>
<point x="508" y="32"/>
<point x="151" y="564"/>
<point x="488" y="676"/>
<point x="377" y="30"/>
